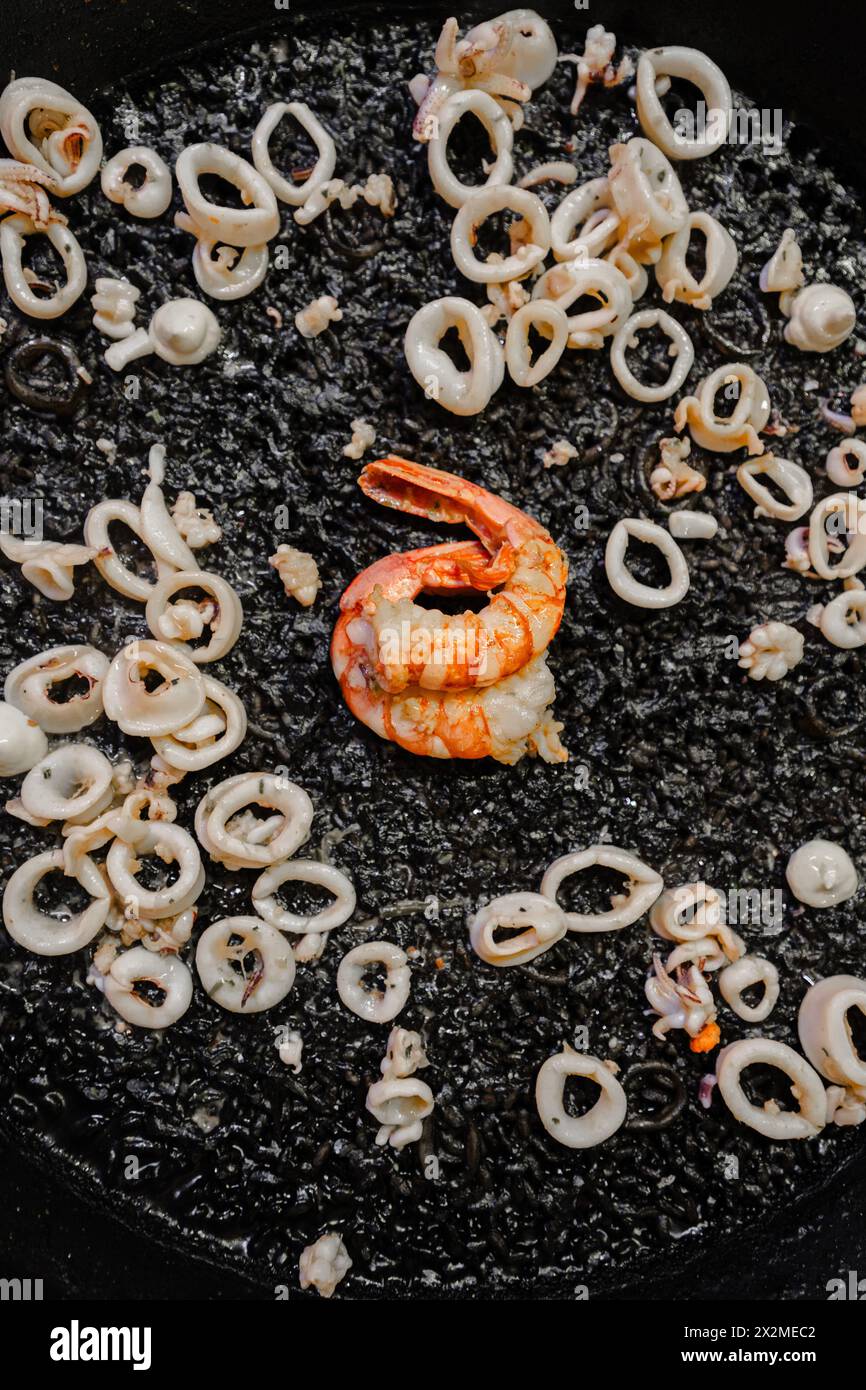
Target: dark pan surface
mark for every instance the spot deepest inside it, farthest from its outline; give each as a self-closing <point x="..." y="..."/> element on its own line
<point x="699" y="772"/>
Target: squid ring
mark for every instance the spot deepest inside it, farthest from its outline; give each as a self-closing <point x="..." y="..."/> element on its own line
<point x="223" y="276"/>
<point x="564" y="284"/>
<point x="29" y="688"/>
<point x="681" y="350"/>
<point x="599" y="1123"/>
<point x="33" y="106"/>
<point x="287" y="831"/>
<point x="326" y="150"/>
<point x="480" y="206"/>
<point x="825" y="1033"/>
<point x="695" y="67"/>
<point x="198" y="744"/>
<point x="669" y="915"/>
<point x="747" y="971"/>
<point x="153" y="196"/>
<point x="804" y="1123"/>
<point x="165" y="972"/>
<point x="854" y="558"/>
<point x="374" y="1005"/>
<point x="648" y="197"/>
<point x="137" y="710"/>
<point x="623" y="582"/>
<point x="672" y="272"/>
<point x="39" y="931"/>
<point x="499" y="129"/>
<point x="115" y="573"/>
<point x="722" y="434"/>
<point x="326" y="876"/>
<point x="72" y="783"/>
<point x="790" y="477"/>
<point x="836" y="624"/>
<point x="589" y="206"/>
<point x="220" y="961"/>
<point x="252" y="225"/>
<point x="642" y="888"/>
<point x="172" y="844"/>
<point x="225" y="625"/>
<point x="538" y="922"/>
<point x="839" y="470"/>
<point x="518" y="354"/>
<point x="13" y="233"/>
<point x="463" y="393"/>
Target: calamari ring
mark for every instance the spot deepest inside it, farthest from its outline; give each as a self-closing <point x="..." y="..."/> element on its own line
<point x="825" y="1033"/>
<point x="28" y="686"/>
<point x="39" y="931"/>
<point x="326" y="151"/>
<point x="836" y="624"/>
<point x="72" y="783"/>
<point x="741" y="975"/>
<point x="839" y="470"/>
<point x="224" y="277"/>
<point x="722" y="434"/>
<point x="648" y="197"/>
<point x="695" y="67"/>
<point x="666" y="917"/>
<point x="115" y="573"/>
<point x="400" y="1105"/>
<point x="483" y="204"/>
<point x="854" y="510"/>
<point x="66" y="144"/>
<point x="14" y="231"/>
<point x="538" y="921"/>
<point x="195" y="746"/>
<point x="172" y="704"/>
<point x="291" y="827"/>
<point x="622" y="581"/>
<point x="518" y="354"/>
<point x="233" y="989"/>
<point x="376" y="1006"/>
<point x="325" y="876"/>
<point x="642" y="889"/>
<point x="804" y="1123"/>
<point x="172" y="844"/>
<point x="152" y="197"/>
<point x="599" y="1123"/>
<point x="672" y="272"/>
<point x="499" y="129"/>
<point x="225" y="625"/>
<point x="141" y="966"/>
<point x="252" y="225"/>
<point x="563" y="285"/>
<point x="790" y="477"/>
<point x="590" y="207"/>
<point x="463" y="393"/>
<point x="681" y="350"/>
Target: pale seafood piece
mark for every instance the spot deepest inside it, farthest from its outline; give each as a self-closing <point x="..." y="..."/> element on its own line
<point x="784" y="270"/>
<point x="599" y="1123"/>
<point x="268" y="906"/>
<point x="518" y="353"/>
<point x="692" y="912"/>
<point x="14" y="231"/>
<point x="170" y="843"/>
<point x="166" y="973"/>
<point x="225" y="273"/>
<point x="404" y="1055"/>
<point x="774" y="1123"/>
<point x="722" y="434"/>
<point x="29" y="684"/>
<point x="152" y="197"/>
<point x="222" y="612"/>
<point x="565" y="284"/>
<point x="683" y="1000"/>
<point x="825" y="1033"/>
<point x="648" y="197"/>
<point x="741" y="975"/>
<point x="363" y="438"/>
<point x="843" y="619"/>
<point x="673" y="275"/>
<point x="673" y="477"/>
<point x="820" y="873"/>
<point x="197" y="745"/>
<point x="317" y="316"/>
<point x="324" y="1264"/>
<point x="252" y="225"/>
<point x="589" y="208"/>
<point x="642" y="887"/>
<point x="537" y="921"/>
<point x="41" y="932"/>
<point x="821" y="317"/>
<point x="22" y="742"/>
<point x="299" y="573"/>
<point x="852" y="510"/>
<point x="499" y="130"/>
<point x="621" y="580"/>
<point x="221" y="964"/>
<point x="195" y="524"/>
<point x="771" y="650"/>
<point x="114" y="305"/>
<point x="179" y="698"/>
<point x="839" y="470"/>
<point x="858" y="406"/>
<point x="72" y="783"/>
<point x="534" y="233"/>
<point x="43" y="124"/>
<point x="400" y="1105"/>
<point x="692" y="526"/>
<point x="793" y="480"/>
<point x="463" y="393"/>
<point x="290" y="1047"/>
<point x="48" y="565"/>
<point x="24" y="188"/>
<point x="240" y="845"/>
<point x="374" y="1005"/>
<point x="287" y="190"/>
<point x="695" y="67"/>
<point x="681" y="350"/>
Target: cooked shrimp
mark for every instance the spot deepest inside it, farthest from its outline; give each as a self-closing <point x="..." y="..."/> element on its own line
<point x="409" y="645"/>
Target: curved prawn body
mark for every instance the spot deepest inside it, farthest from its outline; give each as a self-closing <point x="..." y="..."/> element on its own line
<point x="410" y="645"/>
<point x="445" y="701"/>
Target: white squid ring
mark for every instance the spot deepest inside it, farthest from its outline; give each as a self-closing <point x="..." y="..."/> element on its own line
<point x="13" y="233"/>
<point x="225" y="627"/>
<point x="28" y="97"/>
<point x="172" y="844"/>
<point x="463" y="393"/>
<point x="743" y="973"/>
<point x="153" y="196"/>
<point x="635" y="275"/>
<point x="291" y="827"/>
<point x="373" y="1005"/>
<point x="790" y="477"/>
<point x="483" y="204"/>
<point x="667" y="914"/>
<point x="825" y="1034"/>
<point x="589" y="207"/>
<point x="564" y="284"/>
<point x="542" y="921"/>
<point x="115" y="573"/>
<point x="623" y="582"/>
<point x="326" y="876"/>
<point x="599" y="1123"/>
<point x="518" y="354"/>
<point x="695" y="67"/>
<point x="38" y="931"/>
<point x="140" y="966"/>
<point x="170" y="706"/>
<point x="722" y="434"/>
<point x="293" y="193"/>
<point x="28" y="686"/>
<point x="499" y="129"/>
<point x="854" y="557"/>
<point x="673" y="275"/>
<point x="231" y="989"/>
<point x="223" y="278"/>
<point x="72" y="783"/>
<point x="804" y="1123"/>
<point x="838" y="468"/>
<point x="252" y="225"/>
<point x="642" y="888"/>
<point x="681" y="350"/>
<point x="195" y="746"/>
<point x="647" y="195"/>
<point x="836" y="624"/>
